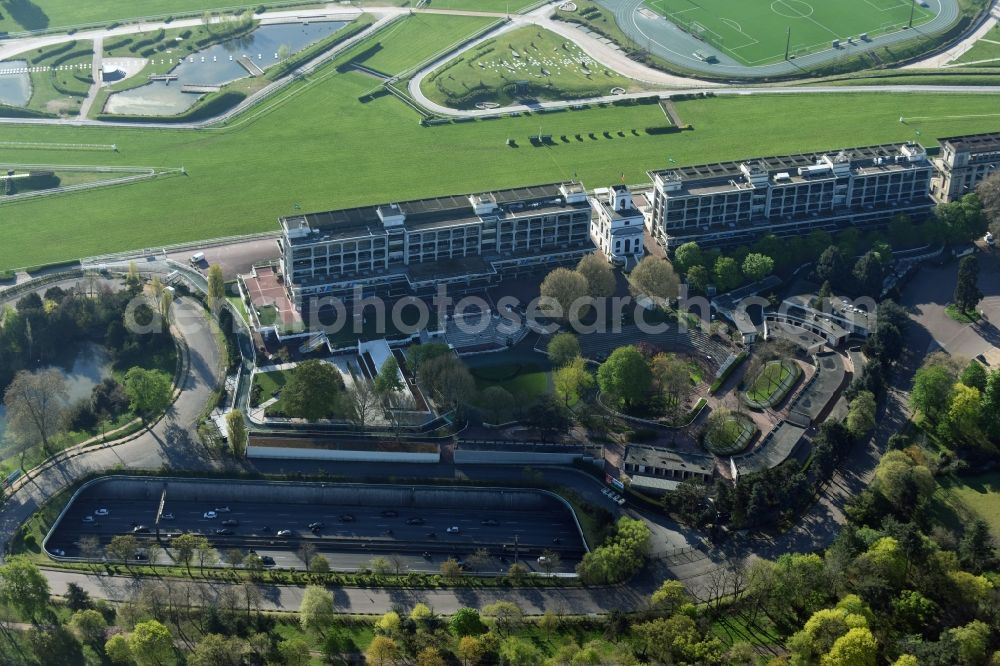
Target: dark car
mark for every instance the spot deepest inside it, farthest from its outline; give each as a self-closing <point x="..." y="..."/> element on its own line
<point x="232" y="522"/>
<point x="315" y="526"/>
<point x="140" y="529"/>
<point x="225" y="531"/>
<point x="389" y="513"/>
<point x="415" y="521"/>
<point x="141" y="557"/>
<point x="267" y="560"/>
<point x="346" y="518"/>
<point x="491" y="522"/>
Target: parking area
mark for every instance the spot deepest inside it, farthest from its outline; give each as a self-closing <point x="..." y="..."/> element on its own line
<point x="416" y="536"/>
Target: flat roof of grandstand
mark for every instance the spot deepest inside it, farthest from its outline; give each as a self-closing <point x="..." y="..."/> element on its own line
<point x="648" y="456"/>
<point x="776" y="163"/>
<point x="974" y="142"/>
<point x="776" y="449"/>
<point x="822" y="388"/>
<point x="434" y="212"/>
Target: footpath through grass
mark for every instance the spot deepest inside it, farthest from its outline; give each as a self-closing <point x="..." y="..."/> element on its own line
<point x="987" y="48"/>
<point x="524" y="64"/>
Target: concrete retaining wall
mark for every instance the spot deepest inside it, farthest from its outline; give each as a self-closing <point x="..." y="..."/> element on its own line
<point x="328" y="454"/>
<point x="500" y="457"/>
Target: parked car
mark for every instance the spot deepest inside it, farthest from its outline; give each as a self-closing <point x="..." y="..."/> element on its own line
<point x="210" y="515"/>
<point x="231" y="522"/>
<point x="101" y="512"/>
<point x="453" y="530"/>
<point x="283" y="533"/>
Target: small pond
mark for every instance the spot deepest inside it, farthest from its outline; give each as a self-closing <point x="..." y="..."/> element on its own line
<point x="15" y="83"/>
<point x="218" y="65"/>
<point x="89" y="367"/>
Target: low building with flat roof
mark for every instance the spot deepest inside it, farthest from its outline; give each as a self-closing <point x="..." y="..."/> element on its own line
<point x="662" y="470"/>
<point x="963" y="163"/>
<point x="727" y="203"/>
<point x="463" y="242"/>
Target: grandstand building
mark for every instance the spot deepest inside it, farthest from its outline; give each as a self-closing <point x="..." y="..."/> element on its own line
<point x="464" y="242"/>
<point x="963" y="163"/>
<point x="617" y="227"/>
<point x="731" y="202"/>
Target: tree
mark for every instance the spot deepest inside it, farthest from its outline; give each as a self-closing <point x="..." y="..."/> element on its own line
<point x="133" y="282"/>
<point x="516" y="573"/>
<point x="236" y="428"/>
<point x="932" y="390"/>
<point x="967" y="294"/>
<point x="572" y="380"/>
<point x="625" y="375"/>
<point x="151" y="644"/>
<point x="77" y="598"/>
<point x="972" y="641"/>
<point x="382" y="650"/>
<point x="507" y="616"/>
<point x="687" y="256"/>
<point x="448" y="381"/>
<point x="319" y="564"/>
<point x="672" y="379"/>
<point x="470" y="650"/>
<point x="313" y="390"/>
<point x="217" y="650"/>
<point x="670" y="596"/>
<point x="498" y="404"/>
<point x="316" y="609"/>
<point x="36" y="404"/>
<point x="88" y="625"/>
<point x="549" y="561"/>
<point x="388" y="380"/>
<point x="975" y="550"/>
<point x="216" y="287"/>
<point x="294" y="652"/>
<point x="990" y="404"/>
<point x="389" y="624"/>
<point x="655" y="279"/>
<point x="600" y="278"/>
<point x="149" y="391"/>
<point x="563" y="288"/>
<point x="118" y="650"/>
<point x="621" y="555"/>
<point x="868" y="274"/>
<point x="832" y="267"/>
<point x="429" y="656"/>
<point x="727" y="274"/>
<point x="698" y="278"/>
<point x="963" y="413"/>
<point x="364" y="404"/>
<point x="519" y="652"/>
<point x="757" y="266"/>
<point x="122" y="547"/>
<point x="988" y="192"/>
<point x="451" y="569"/>
<point x="233" y="557"/>
<point x="974" y="375"/>
<point x="307" y="551"/>
<point x="466" y="622"/>
<point x="23" y="586"/>
<point x="861" y="415"/>
<point x="185" y="545"/>
<point x="563" y="348"/>
<point x="902" y="481"/>
<point x="857" y="647"/>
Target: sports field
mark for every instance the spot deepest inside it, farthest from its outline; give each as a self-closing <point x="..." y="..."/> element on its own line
<point x="755" y="32"/>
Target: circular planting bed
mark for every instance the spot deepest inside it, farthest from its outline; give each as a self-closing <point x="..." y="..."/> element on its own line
<point x="730" y="434"/>
<point x="772" y="384"/>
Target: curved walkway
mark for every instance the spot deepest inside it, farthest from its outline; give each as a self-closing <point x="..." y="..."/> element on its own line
<point x="941" y="60"/>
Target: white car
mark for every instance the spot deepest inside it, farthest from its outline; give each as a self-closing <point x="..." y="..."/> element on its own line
<point x="542" y="559"/>
<point x="167" y="516"/>
<point x="283" y="533"/>
<point x="101" y="512"/>
<point x="88" y="519"/>
<point x="222" y="509"/>
<point x="452" y="530"/>
<point x="59" y="551"/>
<point x="210" y="514"/>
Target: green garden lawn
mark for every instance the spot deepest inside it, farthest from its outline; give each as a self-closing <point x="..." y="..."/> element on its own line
<point x="981" y="495"/>
<point x="754" y="33"/>
<point x="526" y="382"/>
<point x="320" y="147"/>
<point x="271" y="383"/>
<point x="527" y="63"/>
<point x="987" y="48"/>
<point x="772" y="383"/>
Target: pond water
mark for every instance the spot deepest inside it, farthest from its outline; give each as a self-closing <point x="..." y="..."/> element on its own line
<point x="15" y="83"/>
<point x="90" y="366"/>
<point x="218" y="65"/>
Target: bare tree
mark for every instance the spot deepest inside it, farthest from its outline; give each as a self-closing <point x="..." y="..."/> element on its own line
<point x="307" y="551"/>
<point x="365" y="404"/>
<point x="549" y="561"/>
<point x="36" y="404"/>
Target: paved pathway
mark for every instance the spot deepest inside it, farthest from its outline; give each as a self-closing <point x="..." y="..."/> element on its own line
<point x="96" y="72"/>
<point x="942" y="59"/>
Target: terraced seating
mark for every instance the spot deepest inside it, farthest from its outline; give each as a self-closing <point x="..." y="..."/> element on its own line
<point x="498" y="332"/>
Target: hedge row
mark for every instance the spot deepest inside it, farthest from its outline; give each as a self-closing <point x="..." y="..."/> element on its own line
<point x="22" y="112"/>
<point x="45" y="55"/>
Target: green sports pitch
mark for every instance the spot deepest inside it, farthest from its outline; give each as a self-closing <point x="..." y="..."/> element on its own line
<point x="755" y="32"/>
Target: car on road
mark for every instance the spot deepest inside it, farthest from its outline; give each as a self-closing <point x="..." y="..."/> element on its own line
<point x="414" y="521"/>
<point x="453" y="530"/>
<point x="316" y="526"/>
<point x="284" y="533"/>
<point x="166" y="516"/>
<point x="346" y="518"/>
<point x="427" y="555"/>
<point x="491" y="522"/>
<point x="389" y="513"/>
<point x="140" y="529"/>
<point x="101" y="512"/>
<point x="225" y="531"/>
<point x="59" y="551"/>
<point x="210" y="515"/>
<point x="88" y="519"/>
<point x="267" y="560"/>
<point x="140" y="557"/>
<point x="222" y="509"/>
<point x="230" y="522"/>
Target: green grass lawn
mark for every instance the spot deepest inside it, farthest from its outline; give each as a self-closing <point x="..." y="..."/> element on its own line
<point x="981" y="495"/>
<point x="62" y="87"/>
<point x="524" y="64"/>
<point x="415" y="39"/>
<point x="527" y="382"/>
<point x="987" y="48"/>
<point x="964" y="317"/>
<point x="769" y="380"/>
<point x="734" y="436"/>
<point x="754" y="33"/>
<point x="271" y="383"/>
<point x="306" y="141"/>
